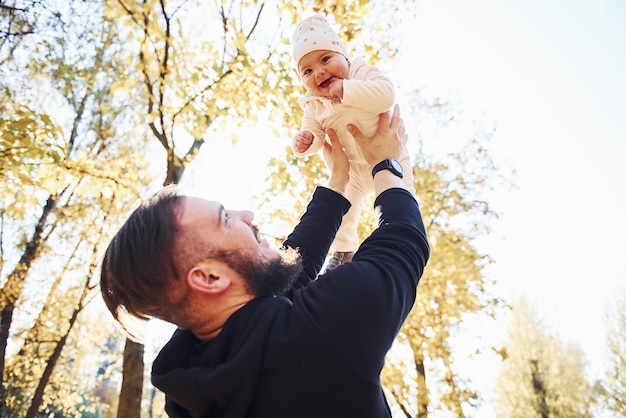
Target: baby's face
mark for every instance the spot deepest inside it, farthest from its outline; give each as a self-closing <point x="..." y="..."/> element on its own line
<point x="318" y="68"/>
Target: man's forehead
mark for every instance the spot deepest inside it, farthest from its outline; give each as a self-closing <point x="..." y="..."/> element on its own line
<point x="196" y="209"/>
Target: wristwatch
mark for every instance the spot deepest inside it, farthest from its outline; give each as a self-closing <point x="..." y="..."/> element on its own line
<point x="389" y="164"/>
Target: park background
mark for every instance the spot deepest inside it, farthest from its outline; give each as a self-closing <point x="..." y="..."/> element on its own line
<point x="546" y="78"/>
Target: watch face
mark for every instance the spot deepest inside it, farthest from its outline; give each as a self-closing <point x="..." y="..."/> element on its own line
<point x="396" y="165"/>
<point x="389" y="164"/>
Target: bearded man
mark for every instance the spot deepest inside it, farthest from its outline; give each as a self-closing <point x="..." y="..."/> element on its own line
<point x="260" y="334"/>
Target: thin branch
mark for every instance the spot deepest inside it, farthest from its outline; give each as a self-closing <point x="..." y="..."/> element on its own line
<point x="256" y="21"/>
<point x="164" y="65"/>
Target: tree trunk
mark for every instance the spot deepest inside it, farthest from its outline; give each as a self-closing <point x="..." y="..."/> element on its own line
<point x="132" y="381"/>
<point x="422" y="390"/>
<point x="456" y="406"/>
<point x="401" y="404"/>
<point x="14" y="286"/>
<point x="539" y="389"/>
<point x="52" y="361"/>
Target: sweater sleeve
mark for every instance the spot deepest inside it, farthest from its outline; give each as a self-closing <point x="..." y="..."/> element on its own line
<point x="316" y="230"/>
<point x="360" y="306"/>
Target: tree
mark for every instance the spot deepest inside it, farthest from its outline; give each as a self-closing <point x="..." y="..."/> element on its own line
<point x="84" y="292"/>
<point x="20" y="20"/>
<point x="541" y="375"/>
<point x="80" y="175"/>
<point x="452" y="197"/>
<point x="612" y="386"/>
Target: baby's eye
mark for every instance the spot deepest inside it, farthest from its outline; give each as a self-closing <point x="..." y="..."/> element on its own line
<point x="307" y="71"/>
<point x="325" y="59"/>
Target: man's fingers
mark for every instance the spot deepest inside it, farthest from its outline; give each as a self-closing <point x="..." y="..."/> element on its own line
<point x="332" y="135"/>
<point x="356" y="133"/>
<point x="383" y="120"/>
<point x="328" y="148"/>
<point x="395" y="118"/>
<point x="402" y="130"/>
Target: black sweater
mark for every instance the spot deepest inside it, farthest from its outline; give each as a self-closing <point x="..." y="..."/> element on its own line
<point x="317" y="353"/>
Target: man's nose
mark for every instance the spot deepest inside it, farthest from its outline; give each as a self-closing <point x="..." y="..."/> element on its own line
<point x="246" y="216"/>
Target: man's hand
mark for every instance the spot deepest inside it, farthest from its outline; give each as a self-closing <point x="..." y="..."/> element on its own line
<point x="302" y="141"/>
<point x="337" y="163"/>
<point x="388" y="141"/>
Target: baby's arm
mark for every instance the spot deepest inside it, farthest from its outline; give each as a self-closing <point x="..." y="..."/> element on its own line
<point x="369" y="90"/>
<point x="310" y="126"/>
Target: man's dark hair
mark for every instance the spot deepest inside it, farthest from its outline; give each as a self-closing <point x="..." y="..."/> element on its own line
<point x="139" y="264"/>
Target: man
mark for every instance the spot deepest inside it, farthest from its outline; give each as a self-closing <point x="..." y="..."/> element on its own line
<point x="259" y="335"/>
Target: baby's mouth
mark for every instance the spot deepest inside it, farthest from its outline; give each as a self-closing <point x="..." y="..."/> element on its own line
<point x="325" y="83"/>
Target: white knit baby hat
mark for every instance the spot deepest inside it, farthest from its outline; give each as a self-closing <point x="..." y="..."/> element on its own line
<point x="315" y="34"/>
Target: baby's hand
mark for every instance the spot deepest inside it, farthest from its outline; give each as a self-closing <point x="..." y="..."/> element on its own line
<point x="302" y="141"/>
<point x="335" y="89"/>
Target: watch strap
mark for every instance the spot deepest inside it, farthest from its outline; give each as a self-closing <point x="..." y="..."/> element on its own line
<point x="387" y="164"/>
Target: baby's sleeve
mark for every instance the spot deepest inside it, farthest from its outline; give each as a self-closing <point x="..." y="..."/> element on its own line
<point x="370" y="90"/>
<point x="309" y="123"/>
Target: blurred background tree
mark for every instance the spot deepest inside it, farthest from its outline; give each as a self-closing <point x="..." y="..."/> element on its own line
<point x="611" y="387"/>
<point x="66" y="147"/>
<point x="541" y="375"/>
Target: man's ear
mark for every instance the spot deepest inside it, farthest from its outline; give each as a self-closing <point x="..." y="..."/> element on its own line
<point x="209" y="277"/>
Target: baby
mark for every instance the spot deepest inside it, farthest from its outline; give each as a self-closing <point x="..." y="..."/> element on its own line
<point x="340" y="91"/>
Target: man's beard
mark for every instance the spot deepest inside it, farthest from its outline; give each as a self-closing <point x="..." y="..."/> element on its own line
<point x="268" y="278"/>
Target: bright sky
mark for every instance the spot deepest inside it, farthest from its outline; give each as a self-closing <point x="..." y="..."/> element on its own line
<point x="552" y="76"/>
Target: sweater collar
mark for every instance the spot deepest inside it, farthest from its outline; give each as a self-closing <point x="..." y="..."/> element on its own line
<point x="217" y="376"/>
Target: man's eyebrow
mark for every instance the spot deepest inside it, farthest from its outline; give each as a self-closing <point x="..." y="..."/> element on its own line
<point x="220" y="215"/>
